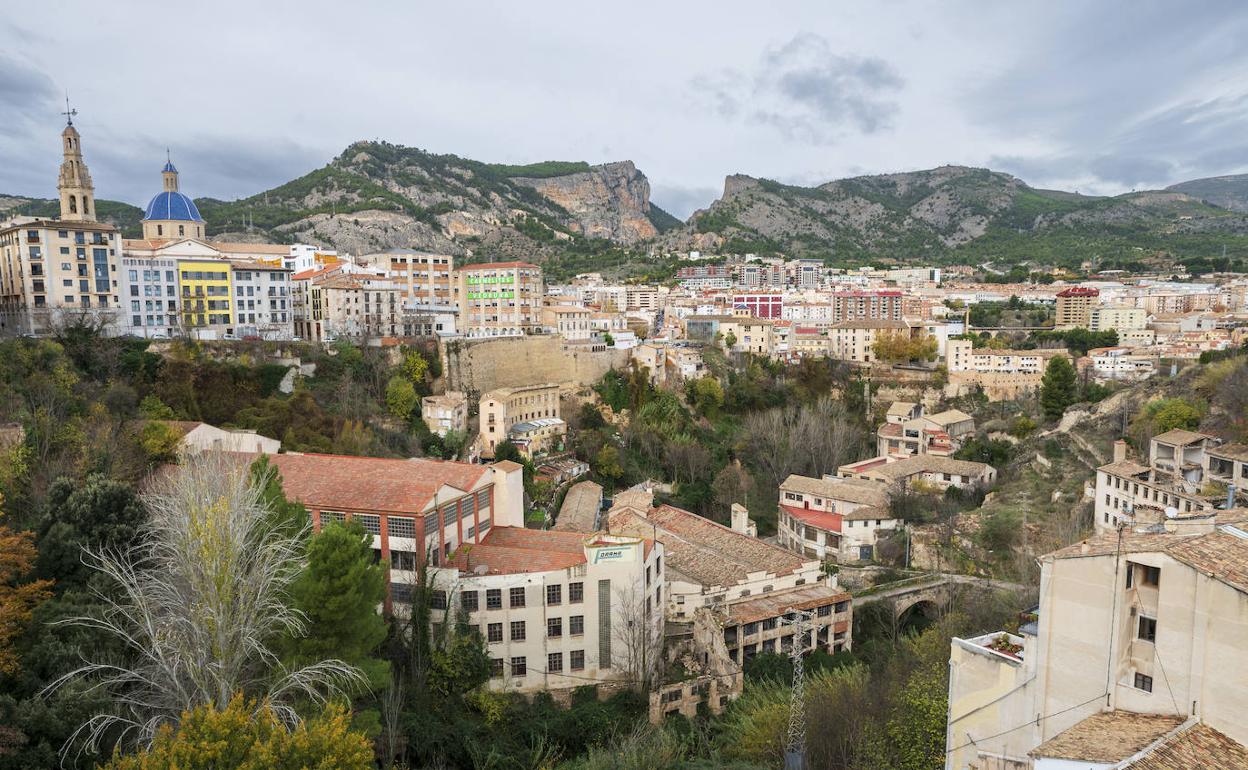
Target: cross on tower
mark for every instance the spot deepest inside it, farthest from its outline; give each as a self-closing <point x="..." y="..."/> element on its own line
<point x="68" y="113"/>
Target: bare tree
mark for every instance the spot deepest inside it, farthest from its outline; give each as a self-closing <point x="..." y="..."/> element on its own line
<point x="197" y="604"/>
<point x="809" y="439"/>
<point x="637" y="631"/>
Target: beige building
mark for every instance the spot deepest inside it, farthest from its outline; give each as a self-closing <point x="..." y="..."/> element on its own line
<point x="907" y="431"/>
<point x="502" y="408"/>
<point x="202" y="437"/>
<point x="745" y="585"/>
<point x="572" y="322"/>
<point x="1003" y="374"/>
<point x="499" y="299"/>
<point x="55" y="271"/>
<point x="1121" y="319"/>
<point x="833" y="518"/>
<point x="1180" y="462"/>
<point x="1134" y="659"/>
<point x="558" y="610"/>
<point x="1074" y="306"/>
<point x="446" y="412"/>
<point x="928" y="470"/>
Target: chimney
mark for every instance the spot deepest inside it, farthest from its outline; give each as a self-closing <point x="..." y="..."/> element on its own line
<point x="1120" y="450"/>
<point x="741" y="521"/>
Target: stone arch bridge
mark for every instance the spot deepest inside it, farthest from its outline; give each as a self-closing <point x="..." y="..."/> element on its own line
<point x="928" y="592"/>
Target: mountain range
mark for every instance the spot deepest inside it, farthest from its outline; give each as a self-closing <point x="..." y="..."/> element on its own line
<point x="377" y="195"/>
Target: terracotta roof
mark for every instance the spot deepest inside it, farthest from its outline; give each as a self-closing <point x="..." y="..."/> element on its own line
<point x="923" y="464"/>
<point x="1221" y="555"/>
<point x="498" y="266"/>
<point x="314" y="272"/>
<point x="850" y="490"/>
<point x="1198" y="746"/>
<point x="1125" y="468"/>
<point x="512" y="550"/>
<point x="868" y="512"/>
<point x="701" y="550"/>
<point x="776" y="603"/>
<point x="252" y="248"/>
<point x="890" y="429"/>
<point x="1233" y="451"/>
<point x="1181" y="437"/>
<point x="579" y="512"/>
<point x="1108" y="736"/>
<point x="371" y="483"/>
<point x="824" y="520"/>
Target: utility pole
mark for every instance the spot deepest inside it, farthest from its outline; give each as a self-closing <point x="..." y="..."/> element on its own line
<point x="795" y="746"/>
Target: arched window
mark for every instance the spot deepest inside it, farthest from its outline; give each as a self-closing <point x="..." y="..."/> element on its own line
<point x="160" y="229"/>
<point x="73" y="204"/>
<point x="86" y="205"/>
<point x="181" y="230"/>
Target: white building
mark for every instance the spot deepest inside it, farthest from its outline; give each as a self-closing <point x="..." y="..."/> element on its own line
<point x="262" y="301"/>
<point x="558" y="610"/>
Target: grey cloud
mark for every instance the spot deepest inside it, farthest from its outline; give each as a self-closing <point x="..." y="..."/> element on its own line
<point x="682" y="201"/>
<point x="1131" y="171"/>
<point x="807" y="91"/>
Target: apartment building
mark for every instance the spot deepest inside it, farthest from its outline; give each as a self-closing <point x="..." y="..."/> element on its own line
<point x="854" y="340"/>
<point x="499" y="299"/>
<point x="741" y="585"/>
<point x="425" y="278"/>
<point x="150" y="296"/>
<point x="1074" y="306"/>
<point x="888" y="305"/>
<point x="768" y="305"/>
<point x="557" y="610"/>
<point x="309" y="301"/>
<point x="206" y="296"/>
<point x="1106" y="317"/>
<point x="1133" y="658"/>
<point x="53" y="270"/>
<point x="834" y="518"/>
<point x="1122" y="363"/>
<point x="262" y="301"/>
<point x="445" y="412"/>
<point x="502" y="409"/>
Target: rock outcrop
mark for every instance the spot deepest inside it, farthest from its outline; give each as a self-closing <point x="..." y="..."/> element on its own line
<point x="610" y="201"/>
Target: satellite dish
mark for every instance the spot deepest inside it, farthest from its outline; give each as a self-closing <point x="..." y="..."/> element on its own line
<point x="1172" y="512"/>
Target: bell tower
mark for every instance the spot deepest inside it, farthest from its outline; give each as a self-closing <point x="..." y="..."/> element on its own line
<point x="74" y="183"/>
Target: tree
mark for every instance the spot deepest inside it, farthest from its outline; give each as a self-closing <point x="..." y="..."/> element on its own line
<point x="1058" y="387"/>
<point x="401" y="398"/>
<point x="338" y="593"/>
<point x="152" y="408"/>
<point x="730" y="340"/>
<point x="198" y="603"/>
<point x="732" y="484"/>
<point x="160" y="441"/>
<point x="1166" y="414"/>
<point x="415" y="367"/>
<point x="244" y="735"/>
<point x="708" y="396"/>
<point x="607" y="464"/>
<point x="18" y="595"/>
<point x="899" y="346"/>
<point x="608" y="340"/>
<point x="96" y="513"/>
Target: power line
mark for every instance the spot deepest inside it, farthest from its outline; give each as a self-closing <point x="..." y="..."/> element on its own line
<point x="1037" y="721"/>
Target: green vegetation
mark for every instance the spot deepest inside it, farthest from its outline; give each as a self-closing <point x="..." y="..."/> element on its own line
<point x="1057" y="387"/>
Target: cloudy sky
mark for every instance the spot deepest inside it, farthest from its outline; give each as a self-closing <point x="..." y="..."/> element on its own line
<point x="1100" y="97"/>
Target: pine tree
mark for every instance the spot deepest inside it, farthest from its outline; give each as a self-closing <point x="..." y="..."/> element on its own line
<point x="1058" y="387"/>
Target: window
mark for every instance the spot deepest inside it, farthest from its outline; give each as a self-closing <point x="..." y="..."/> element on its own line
<point x="402" y="526"/>
<point x="1143" y="682"/>
<point x="554" y="663"/>
<point x="517" y="631"/>
<point x="438" y="601"/>
<point x="519" y="667"/>
<point x="468" y="600"/>
<point x="576" y="625"/>
<point x="517" y="597"/>
<point x="842" y="607"/>
<point x="494" y="632"/>
<point x="1130" y="566"/>
<point x="554" y="627"/>
<point x="554" y="595"/>
<point x="1152" y="576"/>
<point x="825" y="611"/>
<point x="370" y="521"/>
<point x="494" y="598"/>
<point x="496" y="668"/>
<point x="576" y="660"/>
<point x="1148" y="629"/>
<point x="401" y="592"/>
<point x="576" y="593"/>
<point x="329" y="517"/>
<point x="404" y="560"/>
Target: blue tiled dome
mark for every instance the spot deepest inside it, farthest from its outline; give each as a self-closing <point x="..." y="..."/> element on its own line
<point x="169" y="167"/>
<point x="173" y="205"/>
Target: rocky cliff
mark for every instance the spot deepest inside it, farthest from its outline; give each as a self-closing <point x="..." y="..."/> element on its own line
<point x="610" y="201"/>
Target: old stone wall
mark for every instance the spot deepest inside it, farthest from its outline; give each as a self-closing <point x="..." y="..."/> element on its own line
<point x="476" y="366"/>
